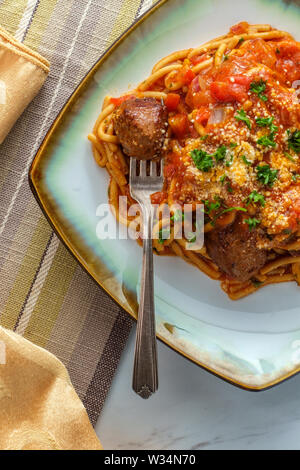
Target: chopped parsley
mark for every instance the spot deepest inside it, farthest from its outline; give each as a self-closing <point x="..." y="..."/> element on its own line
<point x="229" y="187"/>
<point x="255" y="197"/>
<point x="204" y="137"/>
<point x="266" y="175"/>
<point x="252" y="222"/>
<point x="294" y="140"/>
<point x="163" y="235"/>
<point x="295" y="176"/>
<point x="267" y="122"/>
<point x="241" y="40"/>
<point x="266" y="141"/>
<point x="193" y="239"/>
<point x="211" y="206"/>
<point x="233" y="145"/>
<point x="256" y="283"/>
<point x="229" y="162"/>
<point x="225" y="57"/>
<point x="259" y="88"/>
<point x="203" y="161"/>
<point x="220" y="153"/>
<point x="247" y="162"/>
<point x="229" y="209"/>
<point x="289" y="157"/>
<point x="241" y="115"/>
<point x="178" y="215"/>
<point x="223" y="178"/>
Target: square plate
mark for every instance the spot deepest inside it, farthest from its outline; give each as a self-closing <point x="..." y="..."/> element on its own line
<point x="253" y="343"/>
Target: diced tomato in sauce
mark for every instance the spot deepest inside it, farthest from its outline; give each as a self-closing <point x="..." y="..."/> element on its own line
<point x="121" y="99"/>
<point x="172" y="101"/>
<point x="288" y="59"/>
<point x="240" y="28"/>
<point x="228" y="92"/>
<point x="179" y="124"/>
<point x="188" y="77"/>
<point x="260" y="51"/>
<point x="203" y="115"/>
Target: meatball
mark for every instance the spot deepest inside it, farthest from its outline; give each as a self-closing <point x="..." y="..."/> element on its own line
<point x="234" y="250"/>
<point x="141" y="125"/>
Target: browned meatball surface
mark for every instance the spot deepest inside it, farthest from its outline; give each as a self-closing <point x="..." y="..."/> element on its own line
<point x="141" y="125"/>
<point x="234" y="250"/>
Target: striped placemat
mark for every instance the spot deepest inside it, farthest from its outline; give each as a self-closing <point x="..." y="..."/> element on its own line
<point x="44" y="295"/>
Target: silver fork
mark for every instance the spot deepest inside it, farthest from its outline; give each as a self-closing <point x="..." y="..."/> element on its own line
<point x="145" y="376"/>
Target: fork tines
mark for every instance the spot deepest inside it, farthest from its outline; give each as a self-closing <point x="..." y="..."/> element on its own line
<point x="144" y="168"/>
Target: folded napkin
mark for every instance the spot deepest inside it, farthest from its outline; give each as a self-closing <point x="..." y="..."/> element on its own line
<point x="22" y="73"/>
<point x="39" y="409"/>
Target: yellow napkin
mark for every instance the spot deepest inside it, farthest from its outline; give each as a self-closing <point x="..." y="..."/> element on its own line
<point x="22" y="73"/>
<point x="39" y="408"/>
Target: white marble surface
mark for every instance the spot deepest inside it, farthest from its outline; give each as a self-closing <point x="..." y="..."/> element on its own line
<point x="195" y="410"/>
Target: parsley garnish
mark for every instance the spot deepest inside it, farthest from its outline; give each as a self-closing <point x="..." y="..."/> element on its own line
<point x="289" y="157"/>
<point x="233" y="145"/>
<point x="266" y="141"/>
<point x="229" y="187"/>
<point x="256" y="283"/>
<point x="247" y="162"/>
<point x="229" y="209"/>
<point x="295" y="176"/>
<point x="252" y="222"/>
<point x="204" y="137"/>
<point x="223" y="178"/>
<point x="220" y="153"/>
<point x="241" y="115"/>
<point x="225" y="57"/>
<point x="267" y="122"/>
<point x="266" y="175"/>
<point x="259" y="88"/>
<point x="294" y="140"/>
<point x="178" y="215"/>
<point x="163" y="234"/>
<point x="211" y="206"/>
<point x="203" y="161"/>
<point x="255" y="197"/>
<point x="241" y="40"/>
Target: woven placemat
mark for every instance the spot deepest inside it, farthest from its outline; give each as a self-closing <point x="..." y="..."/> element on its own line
<point x="44" y="294"/>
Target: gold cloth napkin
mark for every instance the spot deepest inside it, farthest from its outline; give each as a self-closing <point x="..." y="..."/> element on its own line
<point x="39" y="408"/>
<point x="22" y="73"/>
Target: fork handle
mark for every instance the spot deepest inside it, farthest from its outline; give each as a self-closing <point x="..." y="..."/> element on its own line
<point x="145" y="375"/>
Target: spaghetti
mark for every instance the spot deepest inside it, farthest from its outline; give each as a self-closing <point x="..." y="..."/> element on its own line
<point x="233" y="144"/>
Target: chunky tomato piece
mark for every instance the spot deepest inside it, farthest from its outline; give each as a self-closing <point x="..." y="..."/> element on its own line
<point x="172" y="101"/>
<point x="260" y="51"/>
<point x="179" y="124"/>
<point x="228" y="92"/>
<point x="118" y="101"/>
<point x="203" y="115"/>
<point x="198" y="99"/>
<point x="288" y="60"/>
<point x="188" y="77"/>
<point x="240" y="28"/>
